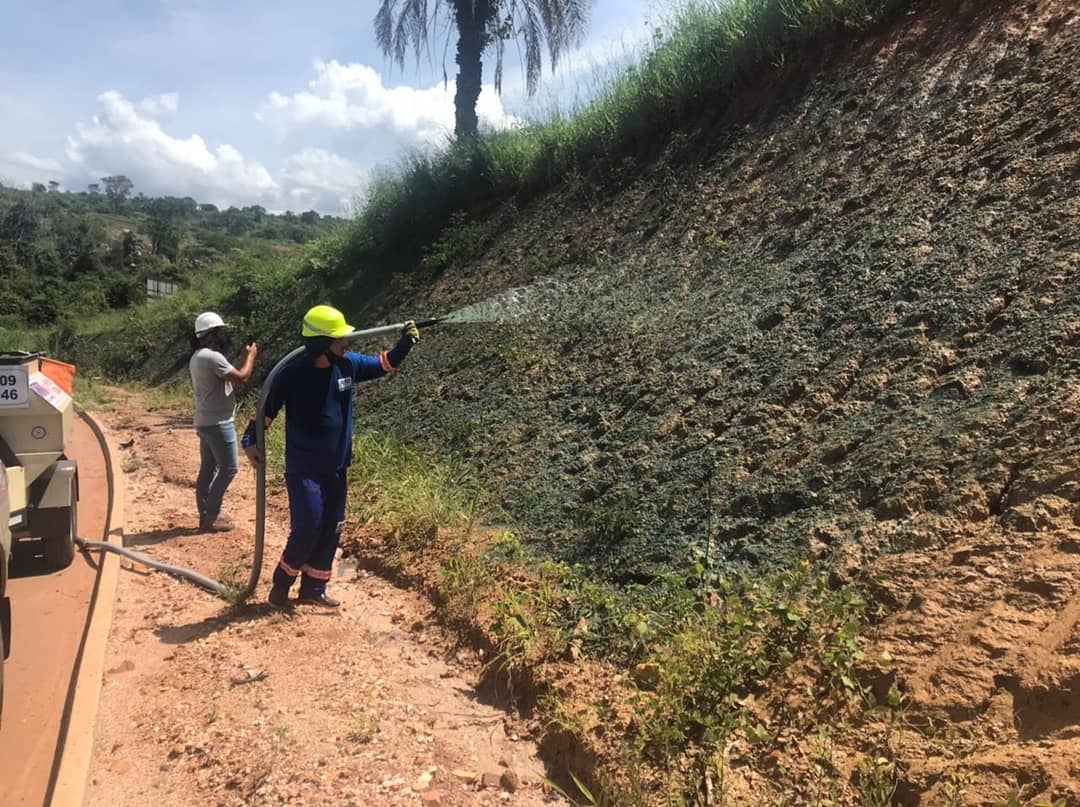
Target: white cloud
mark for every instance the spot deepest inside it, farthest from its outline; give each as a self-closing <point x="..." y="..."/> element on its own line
<point x="137" y="138"/>
<point x="320" y="179"/>
<point x="125" y="139"/>
<point x="160" y="107"/>
<point x="353" y="97"/>
<point x="129" y="138"/>
<point x="25" y="159"/>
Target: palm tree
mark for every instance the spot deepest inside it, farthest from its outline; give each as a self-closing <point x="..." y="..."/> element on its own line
<point x="404" y="24"/>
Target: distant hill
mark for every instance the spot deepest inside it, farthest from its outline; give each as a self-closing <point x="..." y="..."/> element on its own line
<point x="89" y="252"/>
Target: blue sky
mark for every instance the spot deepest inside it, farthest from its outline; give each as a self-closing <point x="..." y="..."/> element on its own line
<point x="277" y="103"/>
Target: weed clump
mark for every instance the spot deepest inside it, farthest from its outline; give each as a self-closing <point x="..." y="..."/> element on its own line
<point x="401" y="489"/>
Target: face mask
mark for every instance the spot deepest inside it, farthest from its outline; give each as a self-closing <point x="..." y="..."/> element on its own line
<point x="218" y="340"/>
<point x="318" y="346"/>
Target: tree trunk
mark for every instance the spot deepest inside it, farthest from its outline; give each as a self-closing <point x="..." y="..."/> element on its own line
<point x="472" y="17"/>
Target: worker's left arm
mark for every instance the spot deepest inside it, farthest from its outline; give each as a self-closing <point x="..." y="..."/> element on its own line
<point x="368" y="368"/>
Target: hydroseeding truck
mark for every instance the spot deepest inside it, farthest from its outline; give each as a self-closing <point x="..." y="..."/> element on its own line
<point x="36" y="418"/>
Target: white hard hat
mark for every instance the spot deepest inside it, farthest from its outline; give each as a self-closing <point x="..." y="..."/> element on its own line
<point x="207" y="321"/>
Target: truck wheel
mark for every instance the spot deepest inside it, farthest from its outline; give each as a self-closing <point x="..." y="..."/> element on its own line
<point x="57" y="528"/>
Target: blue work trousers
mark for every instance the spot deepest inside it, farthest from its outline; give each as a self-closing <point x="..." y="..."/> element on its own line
<point x="316" y="513"/>
<point x="217" y="468"/>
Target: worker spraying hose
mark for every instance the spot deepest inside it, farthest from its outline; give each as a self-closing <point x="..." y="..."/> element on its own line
<point x="324" y="322"/>
<point x="315" y="386"/>
<point x="337" y="368"/>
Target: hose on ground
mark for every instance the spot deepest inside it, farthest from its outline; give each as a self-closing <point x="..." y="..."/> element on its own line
<point x="176" y="571"/>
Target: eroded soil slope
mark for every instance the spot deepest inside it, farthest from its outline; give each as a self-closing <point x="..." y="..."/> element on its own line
<point x="840" y="321"/>
<point x="852" y="298"/>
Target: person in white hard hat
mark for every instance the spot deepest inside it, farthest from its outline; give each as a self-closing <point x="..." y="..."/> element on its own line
<point x="212" y="379"/>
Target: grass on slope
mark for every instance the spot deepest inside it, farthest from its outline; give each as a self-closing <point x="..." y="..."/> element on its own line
<point x="257" y="296"/>
<point x="709" y="51"/>
<point x="676" y="657"/>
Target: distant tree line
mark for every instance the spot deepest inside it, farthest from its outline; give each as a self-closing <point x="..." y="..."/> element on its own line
<point x="81" y="253"/>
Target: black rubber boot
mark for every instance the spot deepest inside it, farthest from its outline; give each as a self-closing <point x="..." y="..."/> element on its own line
<point x="218" y="524"/>
<point x="324" y="599"/>
<point x="279" y="598"/>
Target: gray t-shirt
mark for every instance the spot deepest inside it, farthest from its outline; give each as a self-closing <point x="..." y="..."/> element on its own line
<point x="214" y="399"/>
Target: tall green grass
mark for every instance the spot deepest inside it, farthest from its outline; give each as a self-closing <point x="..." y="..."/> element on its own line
<point x="399" y="487"/>
<point x="261" y="297"/>
<point x="171" y="397"/>
<point x="705" y="54"/>
<point x="28" y="339"/>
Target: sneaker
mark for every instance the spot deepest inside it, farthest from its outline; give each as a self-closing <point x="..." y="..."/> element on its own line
<point x="324" y="599"/>
<point x="279" y="598"/>
<point x="219" y="524"/>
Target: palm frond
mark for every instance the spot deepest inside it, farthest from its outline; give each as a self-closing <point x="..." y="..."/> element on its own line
<point x="500" y="51"/>
<point x="532" y="31"/>
<point x="401" y="25"/>
<point x="558" y="23"/>
<point x="384" y="26"/>
<point x="399" y="29"/>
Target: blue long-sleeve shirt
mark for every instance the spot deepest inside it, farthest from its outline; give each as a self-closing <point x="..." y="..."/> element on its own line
<point x="318" y="405"/>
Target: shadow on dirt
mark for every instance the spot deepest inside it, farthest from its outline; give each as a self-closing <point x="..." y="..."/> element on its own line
<point x="176" y="420"/>
<point x="237" y="614"/>
<point x="159" y="536"/>
<point x="1042" y="710"/>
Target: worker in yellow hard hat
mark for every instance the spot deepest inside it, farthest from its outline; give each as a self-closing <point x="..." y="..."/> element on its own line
<point x="316" y="389"/>
<point x="324" y="321"/>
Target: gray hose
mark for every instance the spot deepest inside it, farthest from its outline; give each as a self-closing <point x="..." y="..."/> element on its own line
<point x="177" y="571"/>
<point x="260" y="475"/>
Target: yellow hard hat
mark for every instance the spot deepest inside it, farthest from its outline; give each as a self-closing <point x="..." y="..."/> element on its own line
<point x="325" y="320"/>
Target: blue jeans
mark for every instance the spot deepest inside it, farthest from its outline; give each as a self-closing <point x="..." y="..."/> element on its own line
<point x="217" y="448"/>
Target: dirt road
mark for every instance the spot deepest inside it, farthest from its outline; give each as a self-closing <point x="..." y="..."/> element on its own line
<point x="207" y="704"/>
<point x="50" y="612"/>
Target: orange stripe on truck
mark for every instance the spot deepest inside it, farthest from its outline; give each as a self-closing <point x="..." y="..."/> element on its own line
<point x="60" y="372"/>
